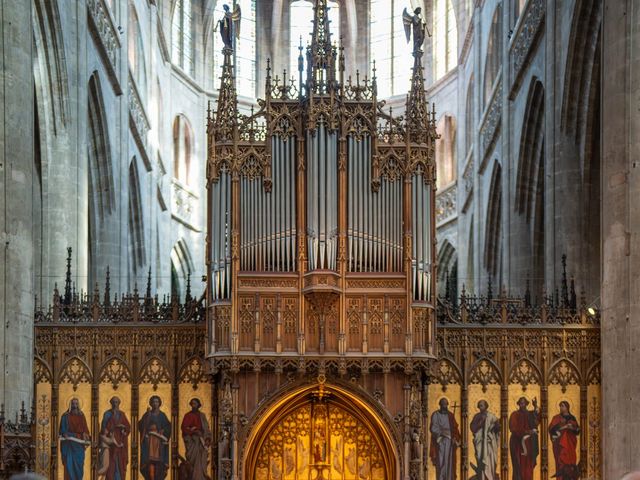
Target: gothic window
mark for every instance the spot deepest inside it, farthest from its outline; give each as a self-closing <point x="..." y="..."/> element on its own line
<point x="469" y="124"/>
<point x="446" y="151"/>
<point x="136" y="225"/>
<point x="445" y="38"/>
<point x="389" y="46"/>
<point x="182" y="45"/>
<point x="492" y="62"/>
<point x="182" y="149"/>
<point x="136" y="53"/>
<point x="301" y="28"/>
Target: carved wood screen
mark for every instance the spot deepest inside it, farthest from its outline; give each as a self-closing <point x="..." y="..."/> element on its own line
<point x="499" y="350"/>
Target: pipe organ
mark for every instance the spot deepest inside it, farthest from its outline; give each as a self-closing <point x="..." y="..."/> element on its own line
<point x="320" y="258"/>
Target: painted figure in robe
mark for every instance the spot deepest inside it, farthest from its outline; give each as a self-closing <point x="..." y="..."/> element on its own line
<point x="523" y="444"/>
<point x="445" y="439"/>
<point x="564" y="431"/>
<point x="197" y="440"/>
<point x="155" y="432"/>
<point x="114" y="443"/>
<point x="485" y="427"/>
<point x="74" y="440"/>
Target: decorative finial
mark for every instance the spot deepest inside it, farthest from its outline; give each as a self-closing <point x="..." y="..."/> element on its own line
<point x="147" y="293"/>
<point x="67" y="282"/>
<point x="107" y="288"/>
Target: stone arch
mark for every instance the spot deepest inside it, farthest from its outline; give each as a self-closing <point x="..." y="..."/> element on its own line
<point x="289" y="400"/>
<point x="75" y="371"/>
<point x="50" y="67"/>
<point x="448" y="270"/>
<point x="136" y="220"/>
<point x="115" y="371"/>
<point x="492" y="55"/>
<point x="564" y="373"/>
<point x="525" y="372"/>
<point x="469" y="121"/>
<point x="101" y="191"/>
<point x="182" y="266"/>
<point x="530" y="188"/>
<point x="583" y="61"/>
<point x="493" y="232"/>
<point x="136" y="52"/>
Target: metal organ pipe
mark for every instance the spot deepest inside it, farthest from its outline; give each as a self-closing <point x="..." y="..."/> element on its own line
<point x="421" y="264"/>
<point x="268" y="219"/>
<point x="322" y="201"/>
<point x="220" y="241"/>
<point x="374" y="226"/>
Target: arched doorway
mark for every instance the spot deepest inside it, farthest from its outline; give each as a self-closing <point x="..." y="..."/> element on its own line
<point x="320" y="432"/>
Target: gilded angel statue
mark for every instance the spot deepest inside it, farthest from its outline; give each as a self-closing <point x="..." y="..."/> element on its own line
<point x="230" y="25"/>
<point x="417" y="25"/>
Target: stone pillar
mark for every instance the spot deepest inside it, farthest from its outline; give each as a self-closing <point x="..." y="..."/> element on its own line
<point x="620" y="237"/>
<point x="16" y="223"/>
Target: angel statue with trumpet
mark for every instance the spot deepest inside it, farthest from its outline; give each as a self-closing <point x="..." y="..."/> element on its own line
<point x="414" y="24"/>
<point x="229" y="25"/>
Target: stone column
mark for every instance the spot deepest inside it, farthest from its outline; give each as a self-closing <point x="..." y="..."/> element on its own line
<point x="16" y="223"/>
<point x="620" y="237"/>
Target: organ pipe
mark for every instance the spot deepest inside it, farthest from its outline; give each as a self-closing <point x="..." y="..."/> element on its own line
<point x="374" y="218"/>
<point x="220" y="238"/>
<point x="322" y="198"/>
<point x="267" y="219"/>
<point x="421" y="254"/>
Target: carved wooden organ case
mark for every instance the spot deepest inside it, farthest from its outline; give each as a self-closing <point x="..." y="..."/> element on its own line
<point x="321" y="269"/>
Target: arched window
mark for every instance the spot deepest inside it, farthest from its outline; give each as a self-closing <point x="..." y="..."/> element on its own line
<point x="301" y="28"/>
<point x="136" y="53"/>
<point x="445" y="38"/>
<point x="446" y="151"/>
<point x="492" y="62"/>
<point x="136" y="225"/>
<point x="182" y="149"/>
<point x="388" y="46"/>
<point x="469" y="123"/>
<point x="182" y="46"/>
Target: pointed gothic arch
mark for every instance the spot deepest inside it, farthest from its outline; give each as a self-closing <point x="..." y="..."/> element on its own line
<point x="493" y="232"/>
<point x="182" y="266"/>
<point x="50" y="67"/>
<point x="492" y="56"/>
<point x="530" y="187"/>
<point x="136" y="220"/>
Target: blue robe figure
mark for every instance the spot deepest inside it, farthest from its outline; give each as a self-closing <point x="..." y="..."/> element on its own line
<point x="155" y="433"/>
<point x="74" y="439"/>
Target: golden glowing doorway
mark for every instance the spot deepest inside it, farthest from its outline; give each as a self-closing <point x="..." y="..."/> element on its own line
<point x="321" y="435"/>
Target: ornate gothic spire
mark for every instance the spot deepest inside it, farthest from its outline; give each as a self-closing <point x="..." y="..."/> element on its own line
<point x="321" y="55"/>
